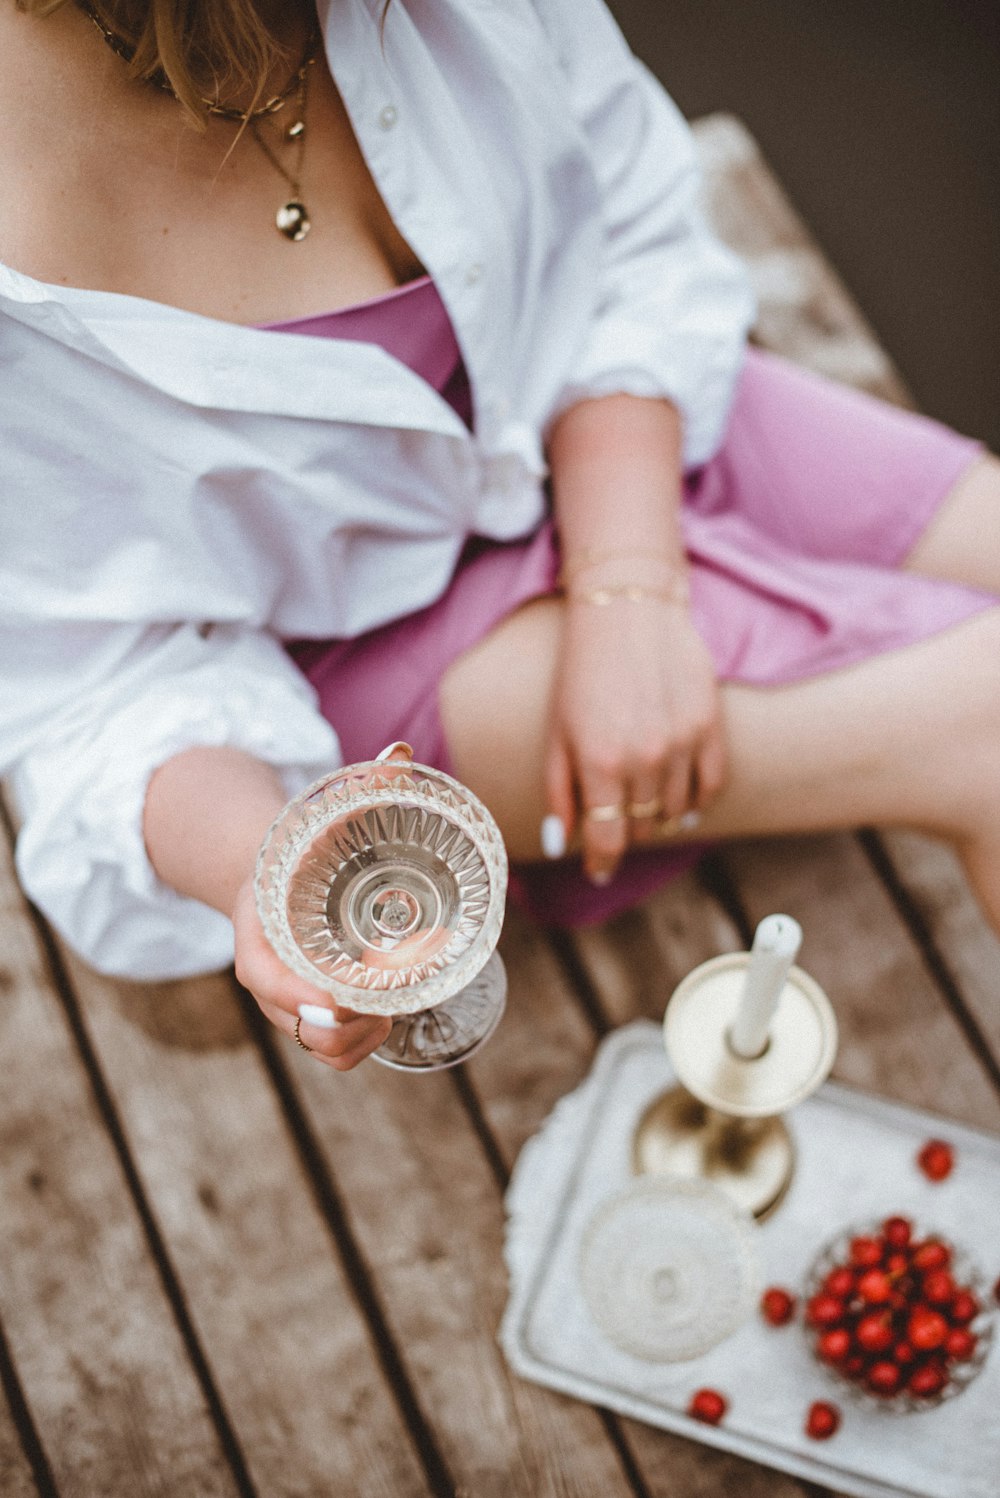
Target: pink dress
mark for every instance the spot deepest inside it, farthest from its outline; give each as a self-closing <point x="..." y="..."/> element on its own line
<point x="795" y="533"/>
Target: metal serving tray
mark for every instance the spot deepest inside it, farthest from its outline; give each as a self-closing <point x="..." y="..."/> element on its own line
<point x="855" y="1163"/>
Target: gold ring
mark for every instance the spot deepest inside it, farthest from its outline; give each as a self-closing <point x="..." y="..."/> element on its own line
<point x="668" y="824"/>
<point x="298" y="1037"/>
<point x="639" y="809"/>
<point x="605" y="813"/>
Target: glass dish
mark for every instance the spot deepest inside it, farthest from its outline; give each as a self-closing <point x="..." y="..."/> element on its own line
<point x="960" y="1374"/>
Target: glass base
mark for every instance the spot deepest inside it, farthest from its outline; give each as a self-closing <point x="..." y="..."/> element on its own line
<point x="452" y="1031"/>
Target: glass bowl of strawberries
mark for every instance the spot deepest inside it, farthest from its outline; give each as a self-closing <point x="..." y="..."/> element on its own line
<point x="898" y="1315"/>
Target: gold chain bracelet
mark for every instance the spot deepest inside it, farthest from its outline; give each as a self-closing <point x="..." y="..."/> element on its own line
<point x="630" y="593"/>
<point x="581" y="561"/>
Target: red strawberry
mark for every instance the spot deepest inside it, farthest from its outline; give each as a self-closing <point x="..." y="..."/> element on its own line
<point x="834" y="1345"/>
<point x="939" y="1287"/>
<point x="875" y="1287"/>
<point x="926" y="1329"/>
<point x="931" y="1254"/>
<point x="960" y="1344"/>
<point x="824" y="1310"/>
<point x="839" y="1282"/>
<point x="964" y="1307"/>
<point x="936" y="1159"/>
<point x="927" y="1381"/>
<point x="874" y="1332"/>
<point x="777" y="1306"/>
<point x="897" y="1231"/>
<point x="884" y="1378"/>
<point x="708" y="1406"/>
<point x="822" y="1420"/>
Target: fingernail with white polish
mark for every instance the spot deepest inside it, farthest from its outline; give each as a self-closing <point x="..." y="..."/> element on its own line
<point x="689" y="821"/>
<point x="553" y="836"/>
<point x="601" y="877"/>
<point x="315" y="1014"/>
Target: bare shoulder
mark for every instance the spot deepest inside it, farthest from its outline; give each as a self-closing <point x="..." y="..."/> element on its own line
<point x="48" y="97"/>
<point x="39" y="57"/>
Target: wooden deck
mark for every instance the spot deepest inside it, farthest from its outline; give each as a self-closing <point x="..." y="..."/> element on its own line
<point x="225" y="1270"/>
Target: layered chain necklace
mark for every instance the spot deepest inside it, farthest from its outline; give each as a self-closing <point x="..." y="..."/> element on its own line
<point x="292" y="218"/>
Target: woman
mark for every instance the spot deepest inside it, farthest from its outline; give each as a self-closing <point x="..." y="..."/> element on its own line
<point x="271" y="386"/>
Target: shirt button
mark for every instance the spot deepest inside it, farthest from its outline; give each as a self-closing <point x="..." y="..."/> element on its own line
<point x="388" y="116"/>
<point x="473" y="274"/>
<point x="501" y="407"/>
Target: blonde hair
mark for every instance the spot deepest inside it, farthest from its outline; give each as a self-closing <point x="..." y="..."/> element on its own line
<point x="217" y="49"/>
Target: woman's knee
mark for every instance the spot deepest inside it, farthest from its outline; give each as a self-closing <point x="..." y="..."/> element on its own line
<point x="960" y="544"/>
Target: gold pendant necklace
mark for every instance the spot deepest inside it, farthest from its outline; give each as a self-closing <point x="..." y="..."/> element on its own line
<point x="292" y="218"/>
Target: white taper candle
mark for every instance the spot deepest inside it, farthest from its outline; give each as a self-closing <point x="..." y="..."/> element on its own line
<point x="775" y="946"/>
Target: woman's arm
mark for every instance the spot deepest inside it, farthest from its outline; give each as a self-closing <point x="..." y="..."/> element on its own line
<point x="636" y="719"/>
<point x="206" y="813"/>
<point x="205" y="816"/>
<point x="147" y="764"/>
<point x="672" y="305"/>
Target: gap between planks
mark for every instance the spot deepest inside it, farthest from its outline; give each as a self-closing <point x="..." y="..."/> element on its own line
<point x="32" y="1475"/>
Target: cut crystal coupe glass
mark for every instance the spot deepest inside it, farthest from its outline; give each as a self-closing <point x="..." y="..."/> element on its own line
<point x="383" y="883"/>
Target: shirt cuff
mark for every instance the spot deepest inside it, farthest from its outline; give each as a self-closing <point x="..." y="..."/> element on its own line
<point x="81" y="856"/>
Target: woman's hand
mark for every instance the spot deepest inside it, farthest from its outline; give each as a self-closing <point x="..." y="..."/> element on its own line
<point x="206" y="811"/>
<point x="636" y="748"/>
<point x="343" y="1041"/>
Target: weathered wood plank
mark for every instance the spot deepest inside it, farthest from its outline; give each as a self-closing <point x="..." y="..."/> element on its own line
<point x="636" y="960"/>
<point x="426" y="1208"/>
<point x="804" y="310"/>
<point x="543" y="1048"/>
<point x="95" y="1344"/>
<point x="290" y="1351"/>
<point x="932" y="878"/>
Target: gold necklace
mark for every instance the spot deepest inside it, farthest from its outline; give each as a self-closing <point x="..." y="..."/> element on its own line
<point x="125" y="49"/>
<point x="292" y="218"/>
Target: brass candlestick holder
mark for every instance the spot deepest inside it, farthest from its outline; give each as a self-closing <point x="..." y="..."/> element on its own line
<point x="749" y="1036"/>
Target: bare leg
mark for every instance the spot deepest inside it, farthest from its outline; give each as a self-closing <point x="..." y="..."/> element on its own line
<point x="962" y="542"/>
<point x="909" y="738"/>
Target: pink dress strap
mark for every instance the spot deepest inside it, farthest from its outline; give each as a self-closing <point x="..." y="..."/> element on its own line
<point x="413" y="325"/>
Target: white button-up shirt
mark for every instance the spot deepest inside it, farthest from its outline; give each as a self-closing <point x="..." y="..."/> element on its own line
<point x="181" y="493"/>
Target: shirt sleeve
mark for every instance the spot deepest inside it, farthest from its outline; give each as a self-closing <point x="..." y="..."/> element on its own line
<point x="90" y="712"/>
<point x="674" y="306"/>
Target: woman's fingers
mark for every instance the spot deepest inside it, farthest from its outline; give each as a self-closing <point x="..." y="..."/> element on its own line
<point x="337" y="1035"/>
<point x="645" y="807"/>
<point x="341" y="1046"/>
<point x="558" y="825"/>
<point x="711" y="769"/>
<point x="635" y="808"/>
<point x="678" y="787"/>
<point x="603" y="819"/>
